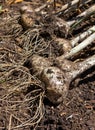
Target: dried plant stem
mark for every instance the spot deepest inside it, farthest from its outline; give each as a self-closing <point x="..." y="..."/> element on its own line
<point x="81" y="46"/>
<point x="10" y="122"/>
<point x="80" y="37"/>
<point x="74" y="7"/>
<point x="83" y="66"/>
<point x="82" y="16"/>
<point x="70" y="5"/>
<point x="43" y="6"/>
<point x="73" y="70"/>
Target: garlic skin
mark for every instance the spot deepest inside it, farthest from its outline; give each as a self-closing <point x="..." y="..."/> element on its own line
<point x="38" y="64"/>
<point x="56" y="87"/>
<point x="27" y="20"/>
<point x="65" y="44"/>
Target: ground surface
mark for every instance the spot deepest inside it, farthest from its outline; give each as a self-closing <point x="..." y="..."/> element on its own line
<point x="78" y="110"/>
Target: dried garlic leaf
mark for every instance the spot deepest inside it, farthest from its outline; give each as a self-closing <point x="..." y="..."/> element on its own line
<point x="17" y="1"/>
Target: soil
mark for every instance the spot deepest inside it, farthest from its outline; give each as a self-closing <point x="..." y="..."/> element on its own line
<point x="77" y="112"/>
